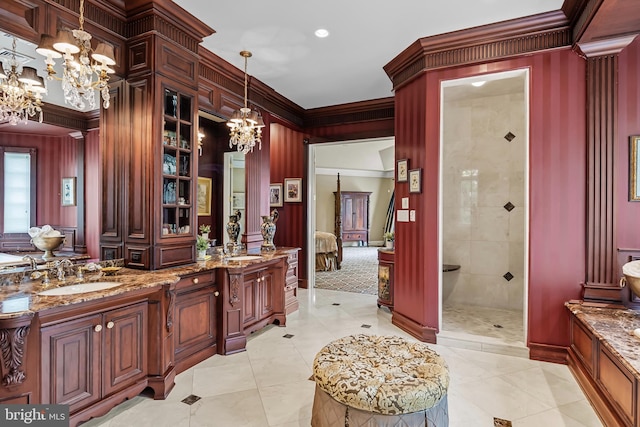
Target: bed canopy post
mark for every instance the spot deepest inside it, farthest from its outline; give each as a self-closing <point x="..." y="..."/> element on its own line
<point x="338" y="222"/>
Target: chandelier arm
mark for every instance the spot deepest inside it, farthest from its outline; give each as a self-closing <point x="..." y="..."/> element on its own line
<point x="81" y="19"/>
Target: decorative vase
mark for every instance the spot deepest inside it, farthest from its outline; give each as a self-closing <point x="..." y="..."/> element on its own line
<point x="388" y="244"/>
<point x="202" y="253"/>
<point x="268" y="230"/>
<point x="233" y="227"/>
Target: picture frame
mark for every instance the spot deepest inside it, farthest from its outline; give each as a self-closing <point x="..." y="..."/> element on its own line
<point x="237" y="200"/>
<point x="402" y="169"/>
<point x="68" y="191"/>
<point x="634" y="168"/>
<point x="293" y="189"/>
<point x="203" y="196"/>
<point x="275" y="195"/>
<point x="415" y="180"/>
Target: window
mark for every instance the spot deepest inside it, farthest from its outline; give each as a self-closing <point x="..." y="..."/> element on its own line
<point x="18" y="189"/>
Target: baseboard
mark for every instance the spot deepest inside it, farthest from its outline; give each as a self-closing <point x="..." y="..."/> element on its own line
<point x="421" y="332"/>
<point x="548" y="353"/>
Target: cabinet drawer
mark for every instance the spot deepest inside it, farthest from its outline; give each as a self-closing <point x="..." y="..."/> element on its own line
<point x="582" y="343"/>
<point x="204" y="278"/>
<point x="353" y="236"/>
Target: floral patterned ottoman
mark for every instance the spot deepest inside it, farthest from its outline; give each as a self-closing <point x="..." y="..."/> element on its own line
<point x="370" y="380"/>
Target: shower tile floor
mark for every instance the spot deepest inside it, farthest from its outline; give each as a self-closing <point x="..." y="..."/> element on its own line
<point x="483" y="328"/>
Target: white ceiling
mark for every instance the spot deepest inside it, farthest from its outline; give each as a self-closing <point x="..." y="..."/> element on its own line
<point x="364" y="36"/>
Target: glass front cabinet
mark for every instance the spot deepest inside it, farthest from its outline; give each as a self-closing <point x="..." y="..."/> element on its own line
<point x="176" y="223"/>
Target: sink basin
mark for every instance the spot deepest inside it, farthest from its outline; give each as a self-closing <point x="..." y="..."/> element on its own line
<point x="245" y="258"/>
<point x="80" y="288"/>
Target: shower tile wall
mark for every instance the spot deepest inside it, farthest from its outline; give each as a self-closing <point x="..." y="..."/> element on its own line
<point x="484" y="201"/>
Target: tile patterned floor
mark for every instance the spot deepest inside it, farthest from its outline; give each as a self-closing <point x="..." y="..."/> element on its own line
<point x="268" y="385"/>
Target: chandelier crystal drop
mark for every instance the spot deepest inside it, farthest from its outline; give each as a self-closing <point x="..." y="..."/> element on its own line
<point x="84" y="70"/>
<point x="245" y="125"/>
<point x="20" y="92"/>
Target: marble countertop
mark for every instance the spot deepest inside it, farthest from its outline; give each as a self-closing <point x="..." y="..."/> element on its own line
<point x="614" y="327"/>
<point x="20" y="299"/>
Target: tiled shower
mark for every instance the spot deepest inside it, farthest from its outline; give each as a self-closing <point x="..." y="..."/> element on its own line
<point x="484" y="203"/>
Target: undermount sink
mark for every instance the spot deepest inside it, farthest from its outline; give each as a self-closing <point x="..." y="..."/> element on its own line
<point x="245" y="258"/>
<point x="80" y="288"/>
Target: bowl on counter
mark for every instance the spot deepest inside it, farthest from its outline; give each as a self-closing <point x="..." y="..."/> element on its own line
<point x="631" y="271"/>
<point x="47" y="244"/>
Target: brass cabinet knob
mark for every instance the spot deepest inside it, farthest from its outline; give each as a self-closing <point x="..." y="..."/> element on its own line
<point x="216" y="293"/>
<point x="110" y="325"/>
<point x="195" y="280"/>
<point x="98" y="328"/>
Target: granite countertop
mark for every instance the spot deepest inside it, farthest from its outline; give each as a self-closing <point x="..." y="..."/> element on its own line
<point x="20" y="299"/>
<point x="614" y="327"/>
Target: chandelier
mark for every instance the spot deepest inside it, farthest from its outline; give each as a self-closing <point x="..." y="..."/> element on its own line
<point x="245" y="125"/>
<point x="20" y="92"/>
<point x="79" y="70"/>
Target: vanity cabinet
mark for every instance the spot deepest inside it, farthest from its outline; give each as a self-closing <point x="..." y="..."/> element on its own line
<point x="258" y="296"/>
<point x="196" y="299"/>
<point x="94" y="357"/>
<point x="291" y="282"/>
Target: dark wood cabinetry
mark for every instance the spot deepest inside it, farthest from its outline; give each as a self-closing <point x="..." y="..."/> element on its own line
<point x="195" y="319"/>
<point x="385" y="277"/>
<point x="355" y="216"/>
<point x="291" y="283"/>
<point x="94" y="357"/>
<point x="259" y="297"/>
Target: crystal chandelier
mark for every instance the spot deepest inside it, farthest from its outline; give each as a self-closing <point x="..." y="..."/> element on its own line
<point x="20" y="92"/>
<point x="245" y="125"/>
<point x="79" y="72"/>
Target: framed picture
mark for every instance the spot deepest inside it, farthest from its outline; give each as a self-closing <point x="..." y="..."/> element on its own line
<point x="237" y="201"/>
<point x="402" y="169"/>
<point x="634" y="169"/>
<point x="275" y="195"/>
<point x="203" y="196"/>
<point x="68" y="192"/>
<point x="415" y="180"/>
<point x="293" y="189"/>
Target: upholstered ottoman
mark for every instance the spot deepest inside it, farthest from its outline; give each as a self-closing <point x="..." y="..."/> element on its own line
<point x="370" y="380"/>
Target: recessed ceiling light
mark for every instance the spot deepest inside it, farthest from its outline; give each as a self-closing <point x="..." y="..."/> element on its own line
<point x="478" y="84"/>
<point x="322" y="33"/>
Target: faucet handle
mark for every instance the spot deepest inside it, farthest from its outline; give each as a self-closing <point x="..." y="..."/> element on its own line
<point x="39" y="274"/>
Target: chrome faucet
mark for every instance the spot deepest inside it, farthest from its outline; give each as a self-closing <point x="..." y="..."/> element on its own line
<point x="32" y="261"/>
<point x="60" y="265"/>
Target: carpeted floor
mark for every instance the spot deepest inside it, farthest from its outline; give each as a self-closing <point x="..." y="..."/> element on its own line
<point x="359" y="272"/>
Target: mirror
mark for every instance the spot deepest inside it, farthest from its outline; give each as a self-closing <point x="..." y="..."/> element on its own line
<point x="234" y="191"/>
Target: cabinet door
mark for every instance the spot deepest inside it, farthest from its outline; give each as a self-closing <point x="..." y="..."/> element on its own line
<point x="265" y="293"/>
<point x="250" y="301"/>
<point x="125" y="352"/>
<point x="71" y="369"/>
<point x="195" y="313"/>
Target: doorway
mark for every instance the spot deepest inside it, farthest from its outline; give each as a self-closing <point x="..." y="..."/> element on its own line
<point x="484" y="145"/>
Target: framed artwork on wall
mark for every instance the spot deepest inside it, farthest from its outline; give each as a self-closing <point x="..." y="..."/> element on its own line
<point x="634" y="169"/>
<point x="68" y="192"/>
<point x="415" y="180"/>
<point x="293" y="189"/>
<point x="203" y="196"/>
<point x="275" y="195"/>
<point x="402" y="168"/>
<point x="238" y="201"/>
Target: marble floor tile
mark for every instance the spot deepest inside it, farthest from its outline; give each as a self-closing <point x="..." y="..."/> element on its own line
<point x="269" y="386"/>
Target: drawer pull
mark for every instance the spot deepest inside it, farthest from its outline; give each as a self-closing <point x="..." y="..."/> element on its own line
<point x="195" y="280"/>
<point x="98" y="328"/>
<point x="216" y="293"/>
<point x="110" y="325"/>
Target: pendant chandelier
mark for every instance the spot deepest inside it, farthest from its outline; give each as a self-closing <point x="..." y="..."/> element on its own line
<point x="20" y="92"/>
<point x="79" y="70"/>
<point x="245" y="125"/>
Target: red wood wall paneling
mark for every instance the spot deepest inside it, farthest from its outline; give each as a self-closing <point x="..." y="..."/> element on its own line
<point x="557" y="190"/>
<point x="92" y="195"/>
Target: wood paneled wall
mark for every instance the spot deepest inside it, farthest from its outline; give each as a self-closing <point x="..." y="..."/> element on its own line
<point x="93" y="196"/>
<point x="557" y="180"/>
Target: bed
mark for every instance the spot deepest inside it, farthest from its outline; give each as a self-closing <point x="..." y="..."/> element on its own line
<point x="326" y="251"/>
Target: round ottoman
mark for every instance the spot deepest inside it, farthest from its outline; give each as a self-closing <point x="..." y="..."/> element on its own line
<point x="370" y="380"/>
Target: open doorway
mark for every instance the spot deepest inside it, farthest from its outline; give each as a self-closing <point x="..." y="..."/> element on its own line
<point x="484" y="209"/>
<point x="365" y="169"/>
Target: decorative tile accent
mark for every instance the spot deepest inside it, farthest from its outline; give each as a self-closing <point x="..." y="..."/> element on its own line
<point x="509" y="137"/>
<point x="336" y="303"/>
<point x="497" y="326"/>
<point x="509" y="206"/>
<point x="508" y="276"/>
<point x="364" y="325"/>
<point x="191" y="399"/>
<point x="499" y="422"/>
<point x="287" y="336"/>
